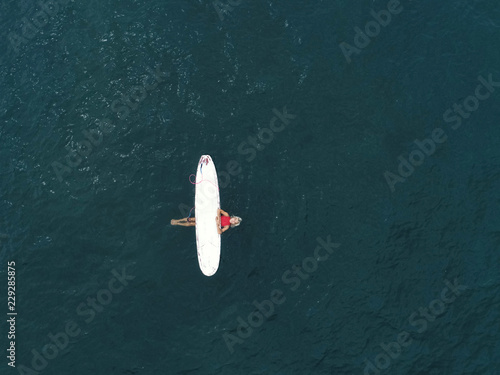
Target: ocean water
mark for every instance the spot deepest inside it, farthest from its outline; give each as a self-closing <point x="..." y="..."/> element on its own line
<point x="370" y="236"/>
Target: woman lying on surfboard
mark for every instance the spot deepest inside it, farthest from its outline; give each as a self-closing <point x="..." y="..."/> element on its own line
<point x="225" y="221"/>
<point x="222" y="219"/>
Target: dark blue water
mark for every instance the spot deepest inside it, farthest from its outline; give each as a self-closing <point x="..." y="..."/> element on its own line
<point x="388" y="153"/>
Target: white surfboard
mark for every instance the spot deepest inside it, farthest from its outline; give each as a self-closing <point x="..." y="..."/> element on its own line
<point x="206" y="205"/>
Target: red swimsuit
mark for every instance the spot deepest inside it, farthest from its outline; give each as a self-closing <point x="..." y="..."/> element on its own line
<point x="224" y="221"/>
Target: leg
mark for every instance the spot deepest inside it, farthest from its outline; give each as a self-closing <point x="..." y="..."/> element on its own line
<point x="186" y="222"/>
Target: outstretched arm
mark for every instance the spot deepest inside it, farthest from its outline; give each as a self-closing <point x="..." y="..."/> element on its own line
<point x="224" y="213"/>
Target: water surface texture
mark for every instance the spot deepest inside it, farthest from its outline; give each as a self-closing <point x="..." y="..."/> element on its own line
<point x="358" y="140"/>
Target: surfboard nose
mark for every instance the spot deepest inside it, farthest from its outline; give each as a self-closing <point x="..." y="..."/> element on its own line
<point x="205" y="159"/>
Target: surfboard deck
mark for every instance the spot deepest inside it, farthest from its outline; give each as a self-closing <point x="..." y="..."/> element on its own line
<point x="207" y="202"/>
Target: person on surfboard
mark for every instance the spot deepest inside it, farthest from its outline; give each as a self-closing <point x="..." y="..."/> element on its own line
<point x="225" y="221"/>
<point x="222" y="219"/>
